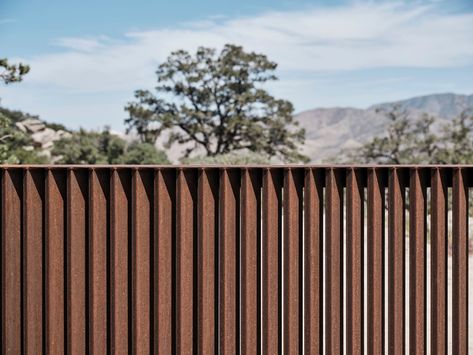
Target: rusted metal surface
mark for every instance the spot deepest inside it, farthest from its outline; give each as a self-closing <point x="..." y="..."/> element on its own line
<point x="396" y="247"/>
<point x="33" y="188"/>
<point x="355" y="261"/>
<point x="208" y="231"/>
<point x="207" y="260"/>
<point x="55" y="244"/>
<point x="439" y="251"/>
<point x="77" y="197"/>
<point x="313" y="260"/>
<point x="97" y="244"/>
<point x="417" y="261"/>
<point x="228" y="263"/>
<point x="272" y="199"/>
<point x="12" y="195"/>
<point x="250" y="261"/>
<point x="186" y="194"/>
<point x="119" y="258"/>
<point x="375" y="262"/>
<point x="164" y="297"/>
<point x="142" y="226"/>
<point x="460" y="261"/>
<point x="333" y="261"/>
<point x="292" y="299"/>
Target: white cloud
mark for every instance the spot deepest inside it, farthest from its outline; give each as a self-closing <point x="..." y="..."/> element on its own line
<point x="356" y="36"/>
<point x="82" y="44"/>
<point x="88" y="80"/>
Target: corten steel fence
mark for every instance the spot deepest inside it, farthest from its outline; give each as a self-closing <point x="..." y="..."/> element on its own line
<point x="227" y="259"/>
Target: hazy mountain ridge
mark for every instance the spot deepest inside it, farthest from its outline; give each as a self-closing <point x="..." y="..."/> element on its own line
<point x="446" y="106"/>
<point x="330" y="130"/>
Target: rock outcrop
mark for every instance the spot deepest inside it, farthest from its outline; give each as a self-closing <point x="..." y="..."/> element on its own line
<point x="43" y="136"/>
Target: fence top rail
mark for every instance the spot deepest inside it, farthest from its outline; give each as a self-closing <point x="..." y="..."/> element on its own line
<point x="223" y="166"/>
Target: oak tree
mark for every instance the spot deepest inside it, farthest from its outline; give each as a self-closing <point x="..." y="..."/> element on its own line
<point x="215" y="104"/>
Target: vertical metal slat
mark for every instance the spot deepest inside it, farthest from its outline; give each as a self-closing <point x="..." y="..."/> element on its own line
<point x="33" y="260"/>
<point x="55" y="237"/>
<point x="120" y="198"/>
<point x="439" y="254"/>
<point x="228" y="240"/>
<point x="97" y="249"/>
<point x="396" y="265"/>
<point x="165" y="182"/>
<point x="250" y="251"/>
<point x="77" y="197"/>
<point x="12" y="192"/>
<point x="333" y="261"/>
<point x="142" y="192"/>
<point x="313" y="224"/>
<point x="272" y="184"/>
<point x="417" y="267"/>
<point x="207" y="233"/>
<point x="460" y="263"/>
<point x="292" y="299"/>
<point x="355" y="261"/>
<point x="375" y="320"/>
<point x="185" y="231"/>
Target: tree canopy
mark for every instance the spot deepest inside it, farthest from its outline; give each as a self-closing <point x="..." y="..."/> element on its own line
<point x="10" y="73"/>
<point x="215" y="103"/>
<point x="15" y="145"/>
<point x="420" y="140"/>
<point x="90" y="147"/>
<point x="457" y="140"/>
<point x="228" y="159"/>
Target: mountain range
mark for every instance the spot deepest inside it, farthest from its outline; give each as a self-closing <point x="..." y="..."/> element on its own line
<point x="332" y="130"/>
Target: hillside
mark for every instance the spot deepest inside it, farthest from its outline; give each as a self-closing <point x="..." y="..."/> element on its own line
<point x="329" y="130"/>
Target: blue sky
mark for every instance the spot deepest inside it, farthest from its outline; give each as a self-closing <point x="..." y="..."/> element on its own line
<point x="88" y="57"/>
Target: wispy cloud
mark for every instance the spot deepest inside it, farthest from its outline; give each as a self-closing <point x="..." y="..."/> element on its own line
<point x="82" y="44"/>
<point x="316" y="50"/>
<point x="351" y="37"/>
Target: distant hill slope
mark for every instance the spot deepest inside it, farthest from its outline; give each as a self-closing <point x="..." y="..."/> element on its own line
<point x="329" y="130"/>
<point x="445" y="106"/>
